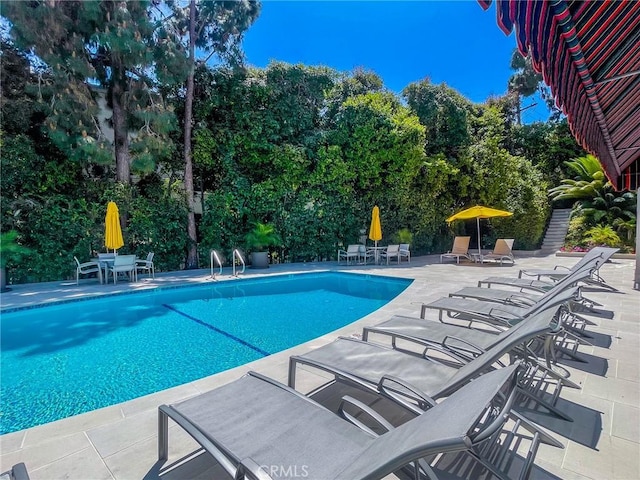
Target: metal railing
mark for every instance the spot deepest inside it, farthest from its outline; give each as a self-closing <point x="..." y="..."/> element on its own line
<point x="214" y="256"/>
<point x="237" y="255"/>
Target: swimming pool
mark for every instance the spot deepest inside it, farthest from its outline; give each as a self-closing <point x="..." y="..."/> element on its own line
<point x="71" y="358"/>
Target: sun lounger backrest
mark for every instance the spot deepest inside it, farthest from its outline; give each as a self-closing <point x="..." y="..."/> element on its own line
<point x="460" y="245"/>
<point x="445" y="427"/>
<point x="503" y="246"/>
<point x="531" y="327"/>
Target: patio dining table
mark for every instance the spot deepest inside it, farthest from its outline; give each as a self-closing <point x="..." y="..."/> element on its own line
<point x="376" y="253"/>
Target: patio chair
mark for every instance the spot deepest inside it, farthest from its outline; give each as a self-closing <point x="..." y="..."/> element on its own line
<point x="87" y="268"/>
<point x="405" y="251"/>
<point x="471" y="342"/>
<point x="146" y="265"/>
<point x="492" y="313"/>
<point x="599" y="255"/>
<point x="435" y="372"/>
<point x="258" y="428"/>
<point x="392" y="251"/>
<point x="17" y="472"/>
<point x="501" y="251"/>
<point x="460" y="249"/>
<point x="525" y="299"/>
<point x="353" y="252"/>
<point x="124" y="264"/>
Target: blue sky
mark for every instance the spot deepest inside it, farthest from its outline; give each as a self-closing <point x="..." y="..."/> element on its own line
<point x="455" y="42"/>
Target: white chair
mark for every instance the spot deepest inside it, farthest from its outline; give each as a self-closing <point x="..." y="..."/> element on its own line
<point x="124" y="264"/>
<point x="86" y="268"/>
<point x="405" y="252"/>
<point x="146" y="265"/>
<point x="392" y="251"/>
<point x="352" y="252"/>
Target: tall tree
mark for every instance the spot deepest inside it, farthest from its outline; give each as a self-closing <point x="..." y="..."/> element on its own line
<point x="524" y="83"/>
<point x="116" y="46"/>
<point x="216" y="28"/>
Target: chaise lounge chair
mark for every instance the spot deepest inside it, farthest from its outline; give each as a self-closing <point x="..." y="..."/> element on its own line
<point x="17" y="472"/>
<point x="431" y="376"/>
<point x="501" y="251"/>
<point x="258" y="428"/>
<point x="460" y="249"/>
<point x="598" y="254"/>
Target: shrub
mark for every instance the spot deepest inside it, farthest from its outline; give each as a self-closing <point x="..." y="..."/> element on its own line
<point x="602" y="236"/>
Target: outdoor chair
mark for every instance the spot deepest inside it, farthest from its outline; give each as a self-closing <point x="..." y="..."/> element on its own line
<point x="405" y="251"/>
<point x="146" y="265"/>
<point x="435" y="372"/>
<point x="87" y="268"/>
<point x="17" y="472"/>
<point x="353" y="252"/>
<point x="258" y="428"/>
<point x="599" y="255"/>
<point x="471" y="342"/>
<point x="492" y="313"/>
<point x="460" y="249"/>
<point x="124" y="264"/>
<point x="501" y="251"/>
<point x="392" y="251"/>
<point x="526" y="299"/>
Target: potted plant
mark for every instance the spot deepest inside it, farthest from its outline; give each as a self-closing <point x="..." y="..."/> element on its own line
<point x="258" y="241"/>
<point x="10" y="249"/>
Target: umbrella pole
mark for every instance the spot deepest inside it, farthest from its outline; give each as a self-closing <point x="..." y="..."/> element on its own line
<point x="479" y="246"/>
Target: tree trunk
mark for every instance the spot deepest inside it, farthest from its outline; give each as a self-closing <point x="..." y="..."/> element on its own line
<point x="192" y="254"/>
<point x="120" y="131"/>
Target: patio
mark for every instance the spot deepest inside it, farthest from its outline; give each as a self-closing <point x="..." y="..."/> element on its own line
<point x="120" y="442"/>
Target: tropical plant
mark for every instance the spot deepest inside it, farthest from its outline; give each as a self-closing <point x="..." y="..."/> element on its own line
<point x="262" y="236"/>
<point x="403" y="235"/>
<point x="602" y="235"/>
<point x="594" y="194"/>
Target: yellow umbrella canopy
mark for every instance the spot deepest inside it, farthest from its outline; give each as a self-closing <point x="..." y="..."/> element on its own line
<point x="375" y="230"/>
<point x="112" y="231"/>
<point x="478" y="212"/>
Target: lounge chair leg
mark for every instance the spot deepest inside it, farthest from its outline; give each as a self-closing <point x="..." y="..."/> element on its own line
<point x="163" y="435"/>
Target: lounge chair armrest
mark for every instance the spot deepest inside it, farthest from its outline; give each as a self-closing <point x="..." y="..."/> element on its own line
<point x="520" y="299"/>
<point x="422" y="397"/>
<point x="561" y="266"/>
<point x="455" y="356"/>
<point x="463" y="341"/>
<point x="250" y="470"/>
<point x="348" y="400"/>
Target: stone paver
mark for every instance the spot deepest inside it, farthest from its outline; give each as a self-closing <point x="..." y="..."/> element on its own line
<point x="120" y="442"/>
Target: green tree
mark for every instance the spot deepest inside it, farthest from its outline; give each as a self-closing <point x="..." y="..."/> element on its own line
<point x="118" y="47"/>
<point x="524" y="83"/>
<point x="216" y="28"/>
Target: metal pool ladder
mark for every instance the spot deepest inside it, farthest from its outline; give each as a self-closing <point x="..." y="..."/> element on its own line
<point x="215" y="258"/>
<point x="237" y="255"/>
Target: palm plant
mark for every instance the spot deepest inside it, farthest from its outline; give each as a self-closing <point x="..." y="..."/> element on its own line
<point x="596" y="199"/>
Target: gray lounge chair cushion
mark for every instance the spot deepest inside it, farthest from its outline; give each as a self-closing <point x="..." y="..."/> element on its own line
<point x="250" y="418"/>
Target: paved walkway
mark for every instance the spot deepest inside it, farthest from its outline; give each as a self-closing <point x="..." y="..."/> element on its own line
<point x="120" y="442"/>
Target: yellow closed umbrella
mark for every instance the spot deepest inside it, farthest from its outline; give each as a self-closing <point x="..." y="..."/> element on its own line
<point x="112" y="231"/>
<point x="478" y="212"/>
<point x="375" y="230"/>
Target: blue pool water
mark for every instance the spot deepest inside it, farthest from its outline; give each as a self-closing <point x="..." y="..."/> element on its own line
<point x="62" y="360"/>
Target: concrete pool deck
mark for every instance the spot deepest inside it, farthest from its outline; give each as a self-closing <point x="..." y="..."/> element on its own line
<point x="120" y="441"/>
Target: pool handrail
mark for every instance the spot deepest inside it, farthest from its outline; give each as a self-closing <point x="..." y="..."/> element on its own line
<point x="238" y="255"/>
<point x="215" y="257"/>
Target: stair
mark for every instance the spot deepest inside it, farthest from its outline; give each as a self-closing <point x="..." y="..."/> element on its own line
<point x="556" y="231"/>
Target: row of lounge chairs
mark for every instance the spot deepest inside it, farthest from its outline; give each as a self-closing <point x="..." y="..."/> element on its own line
<point x="502" y="251"/>
<point x="437" y="399"/>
